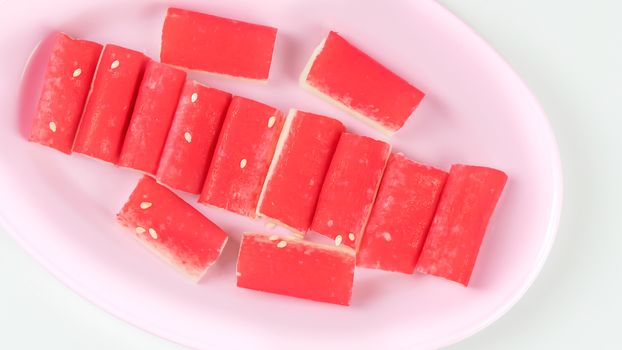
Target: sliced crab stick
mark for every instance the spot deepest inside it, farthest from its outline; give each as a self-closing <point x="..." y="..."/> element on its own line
<point x="297" y="171"/>
<point x="293" y="267"/>
<point x="110" y="102"/>
<point x="361" y="85"/>
<point x="242" y="157"/>
<point x="192" y="137"/>
<point x="172" y="228"/>
<point x="466" y="205"/>
<point x="401" y="216"/>
<point x="66" y="85"/>
<point x="350" y="188"/>
<point x="217" y="45"/>
<point x="154" y="109"/>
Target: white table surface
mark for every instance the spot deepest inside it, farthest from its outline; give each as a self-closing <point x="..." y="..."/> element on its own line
<point x="570" y="54"/>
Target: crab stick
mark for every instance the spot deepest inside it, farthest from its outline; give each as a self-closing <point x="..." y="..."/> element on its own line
<point x="242" y="157"/>
<point x="345" y="75"/>
<point x="466" y="205"/>
<point x="294" y="267"/>
<point x="192" y="137"/>
<point x="172" y="228"/>
<point x="401" y="216"/>
<point x="218" y="45"/>
<point x="110" y="102"/>
<point x="295" y="177"/>
<point x="66" y="85"/>
<point x="350" y="188"/>
<point x="152" y="117"/>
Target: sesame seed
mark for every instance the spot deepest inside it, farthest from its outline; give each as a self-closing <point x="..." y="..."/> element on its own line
<point x="281" y="244"/>
<point x="140" y="230"/>
<point x="330" y="223"/>
<point x="243" y="163"/>
<point x="115" y="64"/>
<point x="77" y="72"/>
<point x="188" y="137"/>
<point x="153" y="233"/>
<point x="270" y="225"/>
<point x="273" y="237"/>
<point x="386" y="236"/>
<point x="338" y="240"/>
<point x="52" y="126"/>
<point x="194" y="97"/>
<point x="238" y="274"/>
<point x="145" y="205"/>
<point x="271" y="121"/>
<point x="351" y="236"/>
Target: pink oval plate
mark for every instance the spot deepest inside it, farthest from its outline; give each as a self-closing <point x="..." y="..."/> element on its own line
<point x="61" y="209"/>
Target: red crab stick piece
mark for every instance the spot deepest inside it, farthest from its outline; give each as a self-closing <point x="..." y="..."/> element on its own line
<point x="297" y="171"/>
<point x="467" y="202"/>
<point x="401" y="216"/>
<point x="66" y="85"/>
<point x="152" y="117"/>
<point x="217" y="45"/>
<point x="109" y="106"/>
<point x="172" y="228"/>
<point x="290" y="266"/>
<point x="242" y="157"/>
<point x="353" y="80"/>
<point x="350" y="188"/>
<point x="192" y="137"/>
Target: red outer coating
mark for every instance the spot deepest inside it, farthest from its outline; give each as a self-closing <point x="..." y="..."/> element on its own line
<point x="468" y="200"/>
<point x="242" y="157"/>
<point x="192" y="138"/>
<point x="152" y="117"/>
<point x="66" y="85"/>
<point x="401" y="216"/>
<point x="350" y="188"/>
<point x="218" y="45"/>
<point x="289" y="266"/>
<point x="361" y="84"/>
<point x="109" y="106"/>
<point x="172" y="228"/>
<point x="297" y="171"/>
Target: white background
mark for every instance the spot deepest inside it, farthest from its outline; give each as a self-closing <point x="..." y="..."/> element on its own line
<point x="570" y="54"/>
